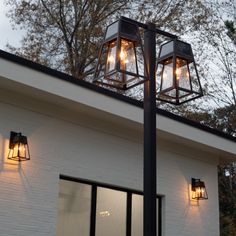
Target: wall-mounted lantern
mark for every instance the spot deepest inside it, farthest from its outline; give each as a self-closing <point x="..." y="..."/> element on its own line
<point x="199" y="190"/>
<point x="179" y="81"/>
<point x="121" y="60"/>
<point x="18" y="147"/>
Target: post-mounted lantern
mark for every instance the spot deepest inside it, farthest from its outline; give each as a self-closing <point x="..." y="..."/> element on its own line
<point x="177" y="73"/>
<point x="199" y="190"/>
<point x="121" y="65"/>
<point x="18" y="147"/>
<point x="121" y="62"/>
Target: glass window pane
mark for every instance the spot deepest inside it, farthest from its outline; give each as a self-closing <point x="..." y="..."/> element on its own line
<point x="111" y="212"/>
<point x="74" y="209"/>
<point x="137" y="215"/>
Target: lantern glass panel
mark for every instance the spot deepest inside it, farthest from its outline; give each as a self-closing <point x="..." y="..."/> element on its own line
<point x="196" y="86"/>
<point x="198" y="190"/>
<point x="111" y="56"/>
<point x="19" y="152"/>
<point x="182" y="74"/>
<point x="200" y="193"/>
<point x="101" y="69"/>
<point x="167" y="75"/>
<point x="22" y="150"/>
<point x="128" y="56"/>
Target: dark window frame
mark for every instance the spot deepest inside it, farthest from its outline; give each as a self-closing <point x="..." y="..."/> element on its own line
<point x="129" y="193"/>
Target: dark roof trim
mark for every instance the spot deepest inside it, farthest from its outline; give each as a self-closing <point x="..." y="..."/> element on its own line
<point x="71" y="79"/>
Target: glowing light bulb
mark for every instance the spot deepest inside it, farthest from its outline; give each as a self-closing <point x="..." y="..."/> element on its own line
<point x="177" y="72"/>
<point x="122" y="55"/>
<point x="111" y="59"/>
<point x="104" y="213"/>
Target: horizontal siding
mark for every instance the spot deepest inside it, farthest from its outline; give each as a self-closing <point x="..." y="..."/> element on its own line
<point x="29" y="190"/>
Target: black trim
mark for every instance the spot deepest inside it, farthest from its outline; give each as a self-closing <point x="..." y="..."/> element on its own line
<point x="82" y="83"/>
<point x="104" y="185"/>
<point x="159" y="212"/>
<point x="93" y="210"/>
<point x="129" y="214"/>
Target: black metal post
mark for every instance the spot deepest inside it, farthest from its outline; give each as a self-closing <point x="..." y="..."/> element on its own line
<point x="150" y="219"/>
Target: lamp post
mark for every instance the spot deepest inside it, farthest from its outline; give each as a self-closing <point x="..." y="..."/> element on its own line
<point x="119" y="67"/>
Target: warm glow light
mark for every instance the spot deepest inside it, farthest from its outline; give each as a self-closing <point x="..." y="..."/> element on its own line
<point x="18" y="147"/>
<point x="121" y="63"/>
<point x="178" y="72"/>
<point x="111" y="59"/>
<point x="164" y="75"/>
<point x="104" y="213"/>
<point x="123" y="57"/>
<point x="198" y="190"/>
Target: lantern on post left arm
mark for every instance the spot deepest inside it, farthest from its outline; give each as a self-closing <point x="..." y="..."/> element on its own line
<point x="121" y="63"/>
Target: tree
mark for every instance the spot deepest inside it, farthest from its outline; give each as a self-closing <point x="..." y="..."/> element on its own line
<point x="227" y="199"/>
<point x="62" y="34"/>
<point x="66" y="34"/>
<point x="220" y="67"/>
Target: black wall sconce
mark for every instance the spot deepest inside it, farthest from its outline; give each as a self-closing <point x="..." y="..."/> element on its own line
<point x="18" y="147"/>
<point x="199" y="190"/>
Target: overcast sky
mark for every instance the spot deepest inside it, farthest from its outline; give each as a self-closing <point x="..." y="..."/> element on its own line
<point x="7" y="35"/>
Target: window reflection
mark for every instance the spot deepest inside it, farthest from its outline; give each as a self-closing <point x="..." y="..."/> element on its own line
<point x="74" y="209"/>
<point x="137" y="215"/>
<point x="85" y="208"/>
<point x="111" y="212"/>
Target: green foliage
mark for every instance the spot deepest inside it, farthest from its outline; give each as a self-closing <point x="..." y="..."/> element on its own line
<point x="62" y="34"/>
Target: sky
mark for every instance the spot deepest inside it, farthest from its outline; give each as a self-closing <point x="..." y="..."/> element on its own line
<point x="7" y="35"/>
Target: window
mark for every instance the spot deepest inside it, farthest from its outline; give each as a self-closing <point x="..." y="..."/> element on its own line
<point x="93" y="209"/>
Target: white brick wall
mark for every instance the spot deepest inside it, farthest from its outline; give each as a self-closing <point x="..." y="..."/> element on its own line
<point x="29" y="190"/>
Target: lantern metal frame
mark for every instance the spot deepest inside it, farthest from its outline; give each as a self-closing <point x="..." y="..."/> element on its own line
<point x="149" y="137"/>
<point x="129" y="32"/>
<point x="180" y="51"/>
<point x="198" y="188"/>
<point x="16" y="140"/>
